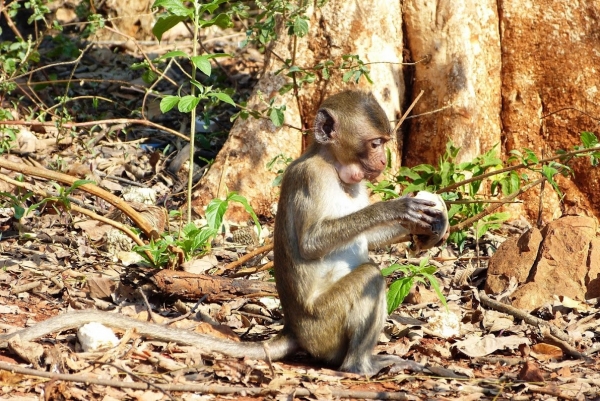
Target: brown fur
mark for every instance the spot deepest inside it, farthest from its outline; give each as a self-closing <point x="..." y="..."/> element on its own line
<point x="333" y="297"/>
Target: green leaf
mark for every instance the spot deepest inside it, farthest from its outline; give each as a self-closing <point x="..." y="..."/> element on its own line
<point x="223" y="21"/>
<point x="187" y="103"/>
<point x="588" y="139"/>
<point x="168" y="102"/>
<point x="436" y="287"/>
<point x="300" y="27"/>
<point x="399" y="289"/>
<point x="386" y="271"/>
<point x="172" y="54"/>
<point x="244" y="202"/>
<point x="164" y="23"/>
<point x="77" y="184"/>
<point x="224" y="97"/>
<point x="203" y="64"/>
<point x="175" y="7"/>
<point x="276" y="116"/>
<point x="214" y="213"/>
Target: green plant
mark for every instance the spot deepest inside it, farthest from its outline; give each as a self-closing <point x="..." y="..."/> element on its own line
<point x="426" y="177"/>
<point x="278" y="165"/>
<point x="176" y="11"/>
<point x="19" y="202"/>
<point x="8" y="134"/>
<point x="400" y="288"/>
<point x="460" y="183"/>
<point x="193" y="240"/>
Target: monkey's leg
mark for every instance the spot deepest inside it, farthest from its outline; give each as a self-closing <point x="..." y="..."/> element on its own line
<point x="346" y="322"/>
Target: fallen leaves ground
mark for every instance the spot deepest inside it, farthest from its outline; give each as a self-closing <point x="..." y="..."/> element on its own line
<point x="53" y="261"/>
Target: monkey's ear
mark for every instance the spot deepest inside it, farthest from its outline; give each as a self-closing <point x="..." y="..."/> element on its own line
<point x="326" y="126"/>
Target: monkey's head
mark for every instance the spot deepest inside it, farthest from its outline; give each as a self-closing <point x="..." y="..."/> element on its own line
<point x="353" y="128"/>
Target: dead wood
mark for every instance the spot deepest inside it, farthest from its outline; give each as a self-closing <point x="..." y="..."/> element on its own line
<point x="193" y="286"/>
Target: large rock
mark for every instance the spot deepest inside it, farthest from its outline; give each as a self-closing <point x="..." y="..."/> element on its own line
<point x="565" y="262"/>
<point x="514" y="258"/>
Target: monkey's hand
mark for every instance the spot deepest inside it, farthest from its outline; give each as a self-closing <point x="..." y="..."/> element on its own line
<point x="439" y="228"/>
<point x="419" y="215"/>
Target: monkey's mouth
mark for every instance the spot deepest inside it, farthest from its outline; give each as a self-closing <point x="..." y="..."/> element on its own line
<point x="370" y="174"/>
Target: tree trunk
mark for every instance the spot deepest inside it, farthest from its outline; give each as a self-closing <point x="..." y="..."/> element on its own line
<point x="460" y="77"/>
<point x="550" y="89"/>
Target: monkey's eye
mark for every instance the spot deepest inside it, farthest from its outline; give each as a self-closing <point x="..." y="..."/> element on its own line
<point x="375" y="143"/>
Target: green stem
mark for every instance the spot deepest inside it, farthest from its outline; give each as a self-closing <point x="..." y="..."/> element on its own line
<point x="193" y="113"/>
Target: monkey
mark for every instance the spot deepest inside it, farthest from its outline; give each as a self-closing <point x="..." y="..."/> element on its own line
<point x="332" y="294"/>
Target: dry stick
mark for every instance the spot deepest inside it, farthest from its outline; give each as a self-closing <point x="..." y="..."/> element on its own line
<point x="9" y="21"/>
<point x="135" y="42"/>
<point x="466" y="223"/>
<point x="527" y="318"/>
<point x="248" y="256"/>
<point x="98" y="122"/>
<point x="199" y="388"/>
<point x="552" y="391"/>
<point x="86" y="212"/>
<point x="252" y="270"/>
<point x="92" y="189"/>
<point x="413" y="104"/>
<point x="564" y="345"/>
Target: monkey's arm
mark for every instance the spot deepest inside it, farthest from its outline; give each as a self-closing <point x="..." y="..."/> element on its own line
<point x="318" y="237"/>
<point x="276" y="349"/>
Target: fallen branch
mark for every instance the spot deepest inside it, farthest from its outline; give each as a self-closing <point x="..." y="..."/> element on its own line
<point x="84" y="211"/>
<point x="216" y="288"/>
<point x="200" y="388"/>
<point x="117" y="202"/>
<point x="535" y="321"/>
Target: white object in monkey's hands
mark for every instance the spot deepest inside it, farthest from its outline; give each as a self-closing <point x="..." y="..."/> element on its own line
<point x="440" y="227"/>
<point x="95" y="337"/>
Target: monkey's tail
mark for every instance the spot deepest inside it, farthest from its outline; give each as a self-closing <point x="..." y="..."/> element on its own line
<point x="281" y="346"/>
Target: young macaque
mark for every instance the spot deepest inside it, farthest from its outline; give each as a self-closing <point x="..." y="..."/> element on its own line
<point x="333" y="296"/>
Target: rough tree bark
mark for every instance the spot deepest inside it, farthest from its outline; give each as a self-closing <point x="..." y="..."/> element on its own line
<point x="461" y="43"/>
<point x="550" y="89"/>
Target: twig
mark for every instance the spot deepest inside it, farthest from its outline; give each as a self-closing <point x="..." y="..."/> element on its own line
<point x="140" y="291"/>
<point x="515" y="167"/>
<point x="117" y="202"/>
<point x="526" y="317"/>
<point x="551" y="391"/>
<point x="248" y="256"/>
<point x="490" y="209"/>
<point x="86" y="212"/>
<point x="188" y="313"/>
<point x="98" y="122"/>
<point x="565" y="346"/>
<point x="199" y="388"/>
<point x="9" y="21"/>
<point x="252" y="270"/>
<point x="413" y="104"/>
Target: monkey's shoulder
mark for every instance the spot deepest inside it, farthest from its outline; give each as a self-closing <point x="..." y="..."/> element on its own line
<point x="308" y="170"/>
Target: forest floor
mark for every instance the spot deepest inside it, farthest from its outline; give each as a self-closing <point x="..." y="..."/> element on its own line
<point x="54" y="261"/>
